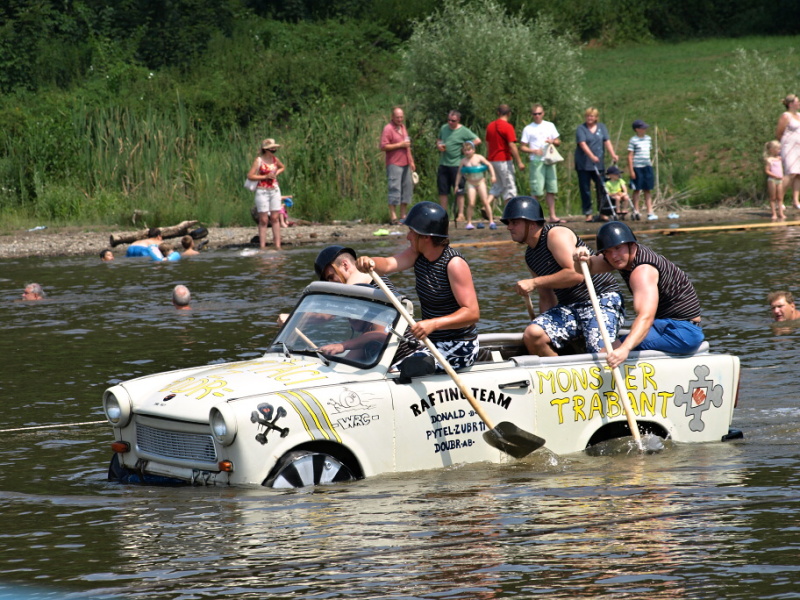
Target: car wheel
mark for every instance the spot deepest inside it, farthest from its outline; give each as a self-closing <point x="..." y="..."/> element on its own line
<point x="303" y="468"/>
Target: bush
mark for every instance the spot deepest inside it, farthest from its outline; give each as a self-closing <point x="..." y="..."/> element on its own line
<point x="741" y="106"/>
<point x="473" y="56"/>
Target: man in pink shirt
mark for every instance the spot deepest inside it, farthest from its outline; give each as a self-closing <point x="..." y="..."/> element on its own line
<point x="502" y="141"/>
<point x="396" y="143"/>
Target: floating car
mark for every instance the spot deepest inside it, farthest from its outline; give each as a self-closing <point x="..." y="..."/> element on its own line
<point x="297" y="416"/>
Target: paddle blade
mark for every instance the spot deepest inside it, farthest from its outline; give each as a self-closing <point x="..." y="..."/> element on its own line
<point x="512" y="440"/>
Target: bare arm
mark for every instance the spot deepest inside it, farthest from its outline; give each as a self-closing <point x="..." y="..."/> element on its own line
<point x="489" y="166"/>
<point x="390" y="264"/>
<point x="782" y="123"/>
<point x="561" y="243"/>
<point x="644" y="287"/>
<point x="631" y="172"/>
<point x="468" y="313"/>
<point x="512" y="147"/>
<point x="585" y="147"/>
<point x="252" y="174"/>
<point x="610" y="147"/>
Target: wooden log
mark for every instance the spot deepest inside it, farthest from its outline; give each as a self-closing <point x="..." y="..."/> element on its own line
<point x="174" y="231"/>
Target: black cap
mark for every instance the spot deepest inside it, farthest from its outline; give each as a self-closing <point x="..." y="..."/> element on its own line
<point x="613" y="234"/>
<point x="428" y="218"/>
<point x="327" y="256"/>
<point x="522" y="207"/>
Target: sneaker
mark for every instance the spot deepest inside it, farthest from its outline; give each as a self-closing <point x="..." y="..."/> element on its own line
<point x="492" y="225"/>
<point x="481" y="225"/>
<point x="652" y="217"/>
<point x="469" y="227"/>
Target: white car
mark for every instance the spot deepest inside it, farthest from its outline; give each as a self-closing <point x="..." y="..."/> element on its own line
<point x="297" y="417"/>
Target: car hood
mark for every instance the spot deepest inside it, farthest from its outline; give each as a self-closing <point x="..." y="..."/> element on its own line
<point x="188" y="394"/>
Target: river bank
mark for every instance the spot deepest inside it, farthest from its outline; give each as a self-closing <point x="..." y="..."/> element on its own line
<point x="84" y="241"/>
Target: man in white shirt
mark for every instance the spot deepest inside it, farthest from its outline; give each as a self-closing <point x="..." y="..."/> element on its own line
<point x="543" y="178"/>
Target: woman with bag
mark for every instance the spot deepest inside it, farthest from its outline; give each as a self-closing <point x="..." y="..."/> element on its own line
<point x="265" y="170"/>
<point x="537" y="139"/>
<point x="592" y="138"/>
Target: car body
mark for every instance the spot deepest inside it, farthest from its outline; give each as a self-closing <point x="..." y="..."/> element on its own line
<point x="297" y="417"/>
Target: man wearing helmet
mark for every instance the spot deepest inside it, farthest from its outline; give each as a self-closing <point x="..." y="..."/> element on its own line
<point x="666" y="303"/>
<point x="444" y="285"/>
<point x="564" y="301"/>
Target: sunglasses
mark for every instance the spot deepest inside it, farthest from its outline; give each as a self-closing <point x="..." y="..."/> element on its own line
<point x="273" y="150"/>
<point x="537" y="113"/>
<point x="453" y="120"/>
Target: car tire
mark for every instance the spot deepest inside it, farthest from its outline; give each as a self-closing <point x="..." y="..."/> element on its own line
<point x="302" y="468"/>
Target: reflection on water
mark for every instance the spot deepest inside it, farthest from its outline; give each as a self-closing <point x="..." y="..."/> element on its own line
<point x="708" y="521"/>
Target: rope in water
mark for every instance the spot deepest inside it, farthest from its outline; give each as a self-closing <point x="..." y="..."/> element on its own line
<point x="52" y="426"/>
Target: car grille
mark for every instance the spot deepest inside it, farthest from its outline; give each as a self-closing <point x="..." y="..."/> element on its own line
<point x="176" y="444"/>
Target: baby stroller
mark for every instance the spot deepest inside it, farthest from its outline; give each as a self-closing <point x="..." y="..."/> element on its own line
<point x="606" y="202"/>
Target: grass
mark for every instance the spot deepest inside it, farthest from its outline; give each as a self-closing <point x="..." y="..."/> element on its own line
<point x="659" y="82"/>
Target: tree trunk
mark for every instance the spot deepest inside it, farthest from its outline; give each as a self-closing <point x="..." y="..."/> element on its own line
<point x="178" y="230"/>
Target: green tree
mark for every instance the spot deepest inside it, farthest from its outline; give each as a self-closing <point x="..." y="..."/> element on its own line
<point x="473" y="56"/>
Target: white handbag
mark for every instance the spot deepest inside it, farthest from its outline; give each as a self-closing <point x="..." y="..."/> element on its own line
<point x="251" y="184"/>
<point x="551" y="155"/>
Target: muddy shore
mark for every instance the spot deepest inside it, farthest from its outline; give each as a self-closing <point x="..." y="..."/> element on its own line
<point x="77" y="241"/>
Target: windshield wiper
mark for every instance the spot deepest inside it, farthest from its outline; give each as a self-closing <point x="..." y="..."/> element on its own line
<point x="325" y="360"/>
<point x="285" y="350"/>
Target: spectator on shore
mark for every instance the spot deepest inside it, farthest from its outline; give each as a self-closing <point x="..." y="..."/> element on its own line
<point x="33" y="291"/>
<point x="773" y="167"/>
<point x="543" y="178"/>
<point x="502" y="142"/>
<point x="451" y="140"/>
<point x="788" y="132"/>
<point x="395" y="143"/>
<point x="640" y="170"/>
<point x="181" y="297"/>
<point x="592" y="139"/>
<point x="265" y="169"/>
<point x="782" y="305"/>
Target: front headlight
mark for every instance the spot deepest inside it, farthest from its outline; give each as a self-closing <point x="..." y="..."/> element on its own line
<point x="117" y="406"/>
<point x="223" y="424"/>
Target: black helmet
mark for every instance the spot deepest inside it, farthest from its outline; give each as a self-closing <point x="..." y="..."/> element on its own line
<point x="613" y="234"/>
<point x="522" y="207"/>
<point x="428" y="218"/>
<point x="327" y="256"/>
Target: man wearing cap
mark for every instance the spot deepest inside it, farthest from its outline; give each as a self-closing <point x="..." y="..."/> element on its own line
<point x="640" y="169"/>
<point x="447" y="297"/>
<point x="564" y="302"/>
<point x="396" y="145"/>
<point x="666" y="303"/>
<point x="502" y="142"/>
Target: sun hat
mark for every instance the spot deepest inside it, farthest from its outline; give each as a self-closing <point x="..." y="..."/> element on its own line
<point x="269" y="144"/>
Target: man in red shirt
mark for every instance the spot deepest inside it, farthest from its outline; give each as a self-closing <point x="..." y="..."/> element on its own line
<point x="502" y="141"/>
<point x="396" y="143"/>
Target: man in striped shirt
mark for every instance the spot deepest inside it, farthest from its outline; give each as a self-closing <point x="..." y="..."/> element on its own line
<point x="567" y="313"/>
<point x="447" y="297"/>
<point x="666" y="303"/>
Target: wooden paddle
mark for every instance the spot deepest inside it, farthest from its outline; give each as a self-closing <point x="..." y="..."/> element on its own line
<point x="504" y="436"/>
<point x="621" y="389"/>
<point x="529" y="306"/>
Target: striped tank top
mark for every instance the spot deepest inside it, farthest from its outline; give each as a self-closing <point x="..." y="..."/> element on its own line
<point x="436" y="297"/>
<point x="677" y="298"/>
<point x="541" y="261"/>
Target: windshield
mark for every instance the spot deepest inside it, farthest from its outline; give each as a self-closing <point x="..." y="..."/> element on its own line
<point x="343" y="329"/>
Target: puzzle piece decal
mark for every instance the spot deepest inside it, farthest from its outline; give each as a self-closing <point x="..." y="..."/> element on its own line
<point x="699" y="397"/>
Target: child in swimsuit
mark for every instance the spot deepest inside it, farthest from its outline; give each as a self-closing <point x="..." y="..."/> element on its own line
<point x="473" y="168"/>
<point x="774" y="171"/>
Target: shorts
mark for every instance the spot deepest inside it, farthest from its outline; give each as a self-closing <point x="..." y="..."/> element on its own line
<point x="506" y="185"/>
<point x="673" y="336"/>
<point x="446" y="180"/>
<point x="645" y="180"/>
<point x="401" y="187"/>
<point x="543" y="178"/>
<point x="459" y="353"/>
<point x="566" y="322"/>
<point x="268" y="199"/>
